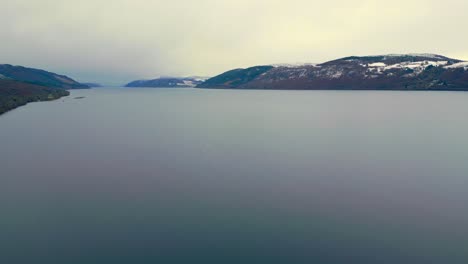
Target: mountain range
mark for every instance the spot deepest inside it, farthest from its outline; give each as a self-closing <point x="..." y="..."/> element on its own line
<point x="20" y="85"/>
<point x="382" y="72"/>
<point x="168" y="82"/>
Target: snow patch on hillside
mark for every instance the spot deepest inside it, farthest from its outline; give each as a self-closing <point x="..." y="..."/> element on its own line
<point x="368" y="69"/>
<point x="198" y="78"/>
<point x="417" y="67"/>
<point x="377" y="64"/>
<point x="463" y="65"/>
<point x="425" y="55"/>
<point x="331" y="73"/>
<point x="294" y="65"/>
<point x="187" y="83"/>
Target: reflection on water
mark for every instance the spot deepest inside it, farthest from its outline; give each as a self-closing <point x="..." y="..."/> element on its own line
<point x="208" y="176"/>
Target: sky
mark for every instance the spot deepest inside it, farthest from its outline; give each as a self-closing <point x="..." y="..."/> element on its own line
<point x="117" y="41"/>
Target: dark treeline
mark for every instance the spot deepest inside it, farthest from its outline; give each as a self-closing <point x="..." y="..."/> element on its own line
<point x="14" y="94"/>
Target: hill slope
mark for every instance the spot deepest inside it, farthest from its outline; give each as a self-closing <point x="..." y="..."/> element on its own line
<point x="235" y="78"/>
<point x="38" y="77"/>
<point x="383" y="72"/>
<point x="14" y="94"/>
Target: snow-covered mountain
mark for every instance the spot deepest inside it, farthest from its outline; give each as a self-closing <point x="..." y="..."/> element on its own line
<point x="168" y="82"/>
<point x="381" y="72"/>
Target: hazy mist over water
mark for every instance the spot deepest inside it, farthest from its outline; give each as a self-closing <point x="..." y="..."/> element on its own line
<point x="224" y="176"/>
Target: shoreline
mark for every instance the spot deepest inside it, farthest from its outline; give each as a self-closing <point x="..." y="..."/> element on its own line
<point x="15" y="94"/>
<point x="15" y="104"/>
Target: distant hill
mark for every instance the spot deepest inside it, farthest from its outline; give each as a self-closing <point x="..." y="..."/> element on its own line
<point x="38" y="77"/>
<point x="383" y="72"/>
<point x="236" y="78"/>
<point x="167" y="82"/>
<point x="14" y="94"/>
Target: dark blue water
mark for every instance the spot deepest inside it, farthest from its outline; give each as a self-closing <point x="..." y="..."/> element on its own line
<point x="222" y="176"/>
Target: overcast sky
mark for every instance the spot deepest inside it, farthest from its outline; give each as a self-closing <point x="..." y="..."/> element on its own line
<point x="116" y="41"/>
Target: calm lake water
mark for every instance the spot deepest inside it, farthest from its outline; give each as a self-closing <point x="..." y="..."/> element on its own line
<point x="224" y="176"/>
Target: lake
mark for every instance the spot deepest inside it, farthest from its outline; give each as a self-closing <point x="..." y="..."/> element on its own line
<point x="223" y="176"/>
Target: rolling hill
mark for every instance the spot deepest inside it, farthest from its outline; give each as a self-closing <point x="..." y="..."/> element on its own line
<point x="383" y="72"/>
